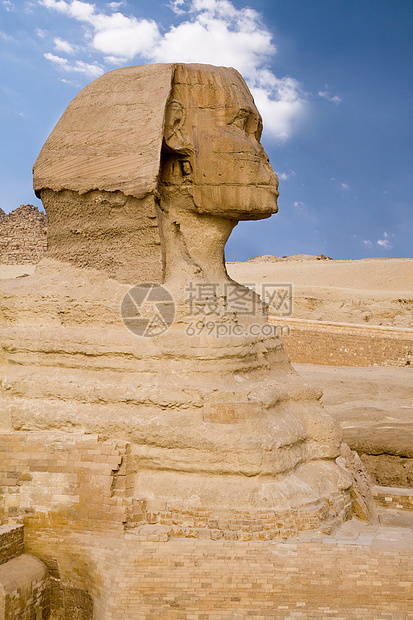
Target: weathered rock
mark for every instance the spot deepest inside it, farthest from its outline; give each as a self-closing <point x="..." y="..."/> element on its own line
<point x="22" y="236"/>
<point x="363" y="503"/>
<point x="374" y="407"/>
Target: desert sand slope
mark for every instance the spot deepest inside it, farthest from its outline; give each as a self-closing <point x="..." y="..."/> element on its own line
<point x="14" y="271"/>
<point x="374" y="291"/>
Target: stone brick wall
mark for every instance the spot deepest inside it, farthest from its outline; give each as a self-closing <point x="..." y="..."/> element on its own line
<point x="112" y="558"/>
<point x="82" y="481"/>
<point x="22" y="236"/>
<point x="345" y="344"/>
<point x="24" y="589"/>
<point x="74" y="477"/>
<point x="184" y="579"/>
<point x="393" y="497"/>
<point x="11" y="542"/>
<point x="24" y="580"/>
<point x="159" y="521"/>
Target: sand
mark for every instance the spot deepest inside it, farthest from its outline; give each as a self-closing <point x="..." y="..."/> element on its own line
<point x="14" y="271"/>
<point x="373" y="291"/>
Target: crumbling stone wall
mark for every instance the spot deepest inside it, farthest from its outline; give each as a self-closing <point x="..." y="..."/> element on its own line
<point x="22" y="236"/>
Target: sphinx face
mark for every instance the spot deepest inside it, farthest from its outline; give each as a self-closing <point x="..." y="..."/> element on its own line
<point x="230" y="172"/>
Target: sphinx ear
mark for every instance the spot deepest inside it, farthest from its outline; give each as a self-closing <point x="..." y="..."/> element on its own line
<point x="174" y="134"/>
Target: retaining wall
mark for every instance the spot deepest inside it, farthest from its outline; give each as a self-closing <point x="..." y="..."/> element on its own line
<point x="345" y="344"/>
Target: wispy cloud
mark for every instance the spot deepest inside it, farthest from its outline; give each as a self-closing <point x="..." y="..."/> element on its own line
<point x="8" y="5"/>
<point x="324" y="94"/>
<point x="211" y="31"/>
<point x="345" y="186"/>
<point x="61" y="45"/>
<point x="176" y="6"/>
<point x="384" y="243"/>
<point x="284" y="176"/>
<point x="92" y="70"/>
<point x="6" y="37"/>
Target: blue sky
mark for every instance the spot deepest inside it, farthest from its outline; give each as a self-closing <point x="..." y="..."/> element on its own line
<point x="332" y="79"/>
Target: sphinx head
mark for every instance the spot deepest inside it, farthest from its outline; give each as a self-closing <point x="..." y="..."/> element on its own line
<point x="212" y="148"/>
<point x="154" y="165"/>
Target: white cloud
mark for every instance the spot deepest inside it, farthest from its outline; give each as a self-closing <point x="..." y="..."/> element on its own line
<point x="116" y="60"/>
<point x="299" y="205"/>
<point x="82" y="11"/>
<point x="284" y="176"/>
<point x="385" y="242"/>
<point x="6" y="37"/>
<point x="117" y="35"/>
<point x="114" y="35"/>
<point x="78" y="66"/>
<point x="67" y="81"/>
<point x="326" y="95"/>
<point x="211" y="31"/>
<point x="61" y="45"/>
<point x="8" y="5"/>
<point x="175" y="5"/>
<point x="345" y="186"/>
<point x="279" y="114"/>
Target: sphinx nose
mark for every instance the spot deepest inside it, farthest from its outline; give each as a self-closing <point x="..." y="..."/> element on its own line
<point x="268" y="173"/>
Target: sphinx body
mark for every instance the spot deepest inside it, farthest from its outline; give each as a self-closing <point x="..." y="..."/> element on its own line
<point x="143" y="179"/>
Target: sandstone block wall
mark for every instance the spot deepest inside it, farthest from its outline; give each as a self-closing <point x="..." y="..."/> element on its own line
<point x="110" y="557"/>
<point x="82" y="482"/>
<point x="24" y="580"/>
<point x="345" y="344"/>
<point x="75" y="477"/>
<point x="393" y="497"/>
<point x="24" y="590"/>
<point x="223" y="580"/>
<point x="11" y="542"/>
<point x="23" y="236"/>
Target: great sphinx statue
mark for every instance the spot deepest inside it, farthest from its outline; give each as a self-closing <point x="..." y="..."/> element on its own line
<point x="143" y="179"/>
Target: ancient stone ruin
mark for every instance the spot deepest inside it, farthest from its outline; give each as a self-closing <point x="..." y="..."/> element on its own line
<point x="130" y="453"/>
<point x="23" y="236"/>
